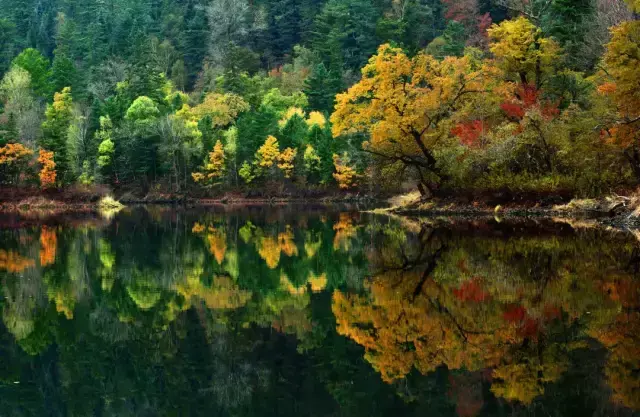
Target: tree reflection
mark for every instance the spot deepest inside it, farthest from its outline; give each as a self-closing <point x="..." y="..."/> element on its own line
<point x="227" y="313"/>
<point x="487" y="303"/>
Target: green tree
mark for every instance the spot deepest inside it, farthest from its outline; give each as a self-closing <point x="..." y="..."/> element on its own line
<point x="64" y="74"/>
<point x="55" y="128"/>
<point x="38" y="68"/>
<point x="321" y="88"/>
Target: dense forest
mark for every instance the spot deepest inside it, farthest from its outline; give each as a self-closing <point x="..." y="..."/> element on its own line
<point x="207" y="96"/>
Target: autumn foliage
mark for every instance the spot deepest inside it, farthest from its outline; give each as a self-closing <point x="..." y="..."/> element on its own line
<point x="214" y="168"/>
<point x="12" y="153"/>
<point x="48" y="246"/>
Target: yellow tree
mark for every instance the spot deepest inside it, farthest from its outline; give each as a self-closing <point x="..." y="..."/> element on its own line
<point x="520" y="49"/>
<point x="268" y="153"/>
<point x="285" y="161"/>
<point x="48" y="170"/>
<point x="13" y="160"/>
<point x="214" y="167"/>
<point x="221" y="108"/>
<point x="345" y="174"/>
<point x="405" y="106"/>
<point x="621" y="61"/>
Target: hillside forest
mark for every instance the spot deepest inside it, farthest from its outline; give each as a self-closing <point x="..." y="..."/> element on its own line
<point x="203" y="97"/>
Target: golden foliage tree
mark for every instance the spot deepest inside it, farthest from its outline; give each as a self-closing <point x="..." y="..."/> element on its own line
<point x="214" y="167"/>
<point x="12" y="153"/>
<point x="14" y="158"/>
<point x="405" y="106"/>
<point x="221" y="108"/>
<point x="520" y="48"/>
<point x="622" y="85"/>
<point x="267" y="155"/>
<point x="286" y="160"/>
<point x="48" y="170"/>
<point x="345" y="175"/>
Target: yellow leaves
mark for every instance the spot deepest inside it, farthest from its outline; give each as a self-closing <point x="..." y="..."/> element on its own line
<point x="285" y="161"/>
<point x="48" y="171"/>
<point x="345" y="230"/>
<point x="291" y="112"/>
<point x="267" y="156"/>
<point x="13" y="152"/>
<point x="607" y="88"/>
<point x="404" y="104"/>
<point x="268" y="153"/>
<point x="345" y="174"/>
<point x="217" y="245"/>
<point x="317" y="282"/>
<point x="634" y="5"/>
<point x="62" y="100"/>
<point x="48" y="246"/>
<point x="622" y="85"/>
<point x="216" y="238"/>
<point x="519" y="47"/>
<point x="288" y="286"/>
<point x="622" y="60"/>
<point x="269" y="250"/>
<point x="311" y="160"/>
<point x="214" y="168"/>
<point x="286" y="243"/>
<point x="222" y="108"/>
<point x="12" y="262"/>
<point x="197" y="228"/>
<point x="223" y="294"/>
<point x="316" y="119"/>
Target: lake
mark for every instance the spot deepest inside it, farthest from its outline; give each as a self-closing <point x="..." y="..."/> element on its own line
<point x="309" y="311"/>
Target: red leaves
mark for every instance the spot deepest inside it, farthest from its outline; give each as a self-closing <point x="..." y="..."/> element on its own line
<point x="514" y="314"/>
<point x="471" y="291"/>
<point x="527" y="97"/>
<point x="513" y="109"/>
<point x="460" y="10"/>
<point x="469" y="133"/>
<point x="484" y="22"/>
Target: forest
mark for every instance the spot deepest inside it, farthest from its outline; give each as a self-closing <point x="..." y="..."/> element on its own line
<point x="204" y="97"/>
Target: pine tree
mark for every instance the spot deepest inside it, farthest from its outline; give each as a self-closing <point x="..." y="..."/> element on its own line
<point x="55" y="128"/>
<point x="321" y="88"/>
<point x="64" y="74"/>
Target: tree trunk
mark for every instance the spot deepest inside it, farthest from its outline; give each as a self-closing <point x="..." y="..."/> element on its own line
<point x="634" y="159"/>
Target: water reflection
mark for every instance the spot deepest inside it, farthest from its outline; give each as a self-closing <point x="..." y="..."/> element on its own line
<point x="315" y="312"/>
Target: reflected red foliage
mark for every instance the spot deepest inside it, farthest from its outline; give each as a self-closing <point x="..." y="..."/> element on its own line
<point x="471" y="291"/>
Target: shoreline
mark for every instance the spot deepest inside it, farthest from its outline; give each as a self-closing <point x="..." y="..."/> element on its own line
<point x="619" y="212"/>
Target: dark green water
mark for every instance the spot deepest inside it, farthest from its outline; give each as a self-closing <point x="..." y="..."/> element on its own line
<point x="313" y="312"/>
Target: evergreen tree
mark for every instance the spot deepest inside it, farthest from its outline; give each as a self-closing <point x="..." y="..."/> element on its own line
<point x="321" y="88"/>
<point x="64" y="74"/>
<point x="568" y="22"/>
<point x="55" y="129"/>
<point x="8" y="42"/>
<point x="284" y="21"/>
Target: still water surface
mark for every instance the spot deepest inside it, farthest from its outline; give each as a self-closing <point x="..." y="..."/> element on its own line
<point x="315" y="312"/>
